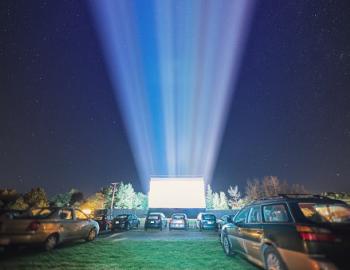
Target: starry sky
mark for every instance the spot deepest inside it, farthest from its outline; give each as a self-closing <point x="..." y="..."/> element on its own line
<point x="60" y="125"/>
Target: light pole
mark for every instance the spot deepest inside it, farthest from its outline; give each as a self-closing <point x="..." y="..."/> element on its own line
<point x="114" y="189"/>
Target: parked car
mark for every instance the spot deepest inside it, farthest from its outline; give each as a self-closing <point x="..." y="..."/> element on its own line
<point x="206" y="221"/>
<point x="125" y="222"/>
<point x="178" y="221"/>
<point x="104" y="221"/>
<point x="156" y="220"/>
<point x="291" y="232"/>
<point x="224" y="220"/>
<point x="47" y="227"/>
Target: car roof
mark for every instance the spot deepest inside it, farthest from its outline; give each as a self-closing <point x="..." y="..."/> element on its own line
<point x="295" y="198"/>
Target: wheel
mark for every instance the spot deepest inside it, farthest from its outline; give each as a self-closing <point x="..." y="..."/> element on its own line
<point x="161" y="227"/>
<point x="138" y="225"/>
<point x="200" y="227"/>
<point x="92" y="235"/>
<point x="273" y="260"/>
<point x="127" y="226"/>
<point x="227" y="246"/>
<point x="50" y="242"/>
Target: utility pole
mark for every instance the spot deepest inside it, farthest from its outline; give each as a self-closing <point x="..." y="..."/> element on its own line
<point x="114" y="189"/>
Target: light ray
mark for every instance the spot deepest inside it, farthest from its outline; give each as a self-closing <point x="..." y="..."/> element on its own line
<point x="173" y="65"/>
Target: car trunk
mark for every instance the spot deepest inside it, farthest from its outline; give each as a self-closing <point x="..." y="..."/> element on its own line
<point x="15" y="226"/>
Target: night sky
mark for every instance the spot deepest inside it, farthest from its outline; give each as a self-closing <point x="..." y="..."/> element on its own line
<point x="60" y="126"/>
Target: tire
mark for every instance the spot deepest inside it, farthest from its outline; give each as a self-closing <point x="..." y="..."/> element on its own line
<point x="273" y="260"/>
<point x="161" y="227"/>
<point x="200" y="227"/>
<point x="51" y="242"/>
<point x="91" y="235"/>
<point x="127" y="226"/>
<point x="226" y="245"/>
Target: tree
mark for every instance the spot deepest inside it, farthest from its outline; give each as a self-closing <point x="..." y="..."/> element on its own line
<point x="93" y="202"/>
<point x="253" y="191"/>
<point x="235" y="200"/>
<point x="61" y="200"/>
<point x="223" y="205"/>
<point x="76" y="197"/>
<point x="209" y="199"/>
<point x="36" y="197"/>
<point x="271" y="186"/>
<point x="216" y="201"/>
<point x="19" y="204"/>
<point x="142" y="201"/>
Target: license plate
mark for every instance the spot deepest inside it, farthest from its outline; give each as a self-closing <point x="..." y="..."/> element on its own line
<point x="210" y="222"/>
<point x="4" y="241"/>
<point x="152" y="221"/>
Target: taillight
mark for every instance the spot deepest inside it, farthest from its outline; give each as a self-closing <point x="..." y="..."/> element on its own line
<point x="33" y="226"/>
<point x="308" y="233"/>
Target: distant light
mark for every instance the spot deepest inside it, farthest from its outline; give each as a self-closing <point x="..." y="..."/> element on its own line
<point x="87" y="211"/>
<point x="176" y="193"/>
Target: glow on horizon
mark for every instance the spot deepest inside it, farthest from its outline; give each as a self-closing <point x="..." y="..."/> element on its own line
<point x="173" y="65"/>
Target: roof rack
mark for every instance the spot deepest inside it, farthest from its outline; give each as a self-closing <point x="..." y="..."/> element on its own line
<point x="290" y="196"/>
<point x="302" y="195"/>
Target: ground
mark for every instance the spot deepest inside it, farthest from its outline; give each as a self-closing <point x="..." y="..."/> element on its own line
<point x="132" y="250"/>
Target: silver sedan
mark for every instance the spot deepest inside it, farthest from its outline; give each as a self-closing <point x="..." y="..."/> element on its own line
<point x="47" y="227"/>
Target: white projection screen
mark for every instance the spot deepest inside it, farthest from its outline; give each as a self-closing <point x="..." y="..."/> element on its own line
<point x="176" y="192"/>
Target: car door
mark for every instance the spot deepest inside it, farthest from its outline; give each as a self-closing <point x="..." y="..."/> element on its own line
<point x="252" y="233"/>
<point x="67" y="226"/>
<point x="235" y="231"/>
<point x="82" y="224"/>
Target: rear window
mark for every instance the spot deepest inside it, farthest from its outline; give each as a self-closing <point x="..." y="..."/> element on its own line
<point x="41" y="212"/>
<point x="178" y="217"/>
<point x="209" y="217"/>
<point x="153" y="217"/>
<point x="326" y="213"/>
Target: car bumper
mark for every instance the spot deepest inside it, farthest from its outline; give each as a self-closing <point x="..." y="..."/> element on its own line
<point x="177" y="226"/>
<point x="209" y="226"/>
<point x="153" y="225"/>
<point x="22" y="239"/>
<point x="302" y="261"/>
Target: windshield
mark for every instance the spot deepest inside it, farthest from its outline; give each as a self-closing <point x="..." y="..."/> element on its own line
<point x="329" y="213"/>
<point x="209" y="217"/>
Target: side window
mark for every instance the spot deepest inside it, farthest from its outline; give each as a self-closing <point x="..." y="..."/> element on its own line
<point x="241" y="217"/>
<point x="275" y="213"/>
<point x="65" y="214"/>
<point x="80" y="215"/>
<point x="255" y="215"/>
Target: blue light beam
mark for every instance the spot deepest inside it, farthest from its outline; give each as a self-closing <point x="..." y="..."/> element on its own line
<point x="173" y="65"/>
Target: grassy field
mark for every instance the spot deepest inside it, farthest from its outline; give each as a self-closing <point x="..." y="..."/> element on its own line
<point x="106" y="254"/>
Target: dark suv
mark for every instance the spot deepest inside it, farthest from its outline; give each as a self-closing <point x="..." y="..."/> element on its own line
<point x="291" y="232"/>
<point x="125" y="222"/>
<point x="155" y="220"/>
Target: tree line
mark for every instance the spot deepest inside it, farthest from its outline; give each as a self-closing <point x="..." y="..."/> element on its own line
<point x="126" y="197"/>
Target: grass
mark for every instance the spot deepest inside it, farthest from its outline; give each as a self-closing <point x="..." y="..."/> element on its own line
<point x="151" y="254"/>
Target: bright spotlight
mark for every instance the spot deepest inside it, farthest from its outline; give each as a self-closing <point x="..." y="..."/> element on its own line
<point x="173" y="65"/>
<point x="176" y="193"/>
